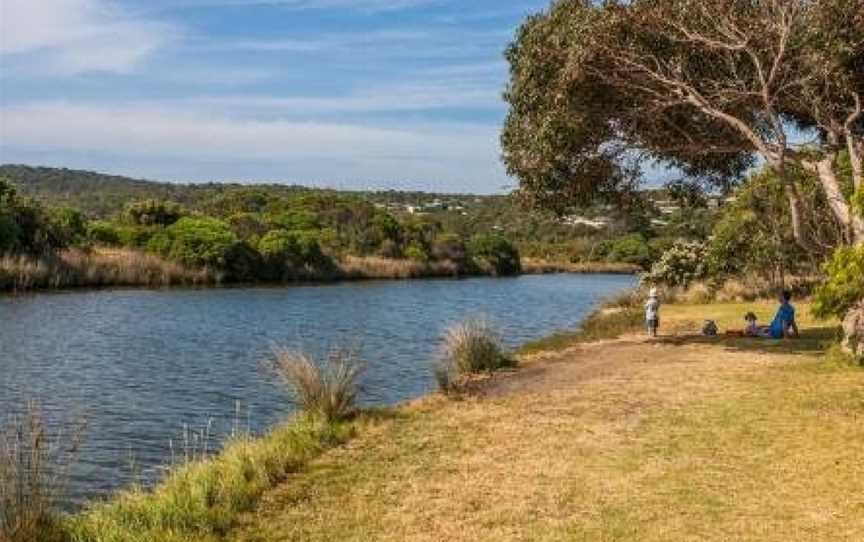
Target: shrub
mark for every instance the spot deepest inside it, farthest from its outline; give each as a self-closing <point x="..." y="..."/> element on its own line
<point x="286" y="252"/>
<point x="632" y="249"/>
<point x="102" y="232"/>
<point x="327" y="389"/>
<point x="844" y="287"/>
<point x="300" y="220"/>
<point x="496" y="254"/>
<point x="201" y="241"/>
<point x="682" y="264"/>
<point x="68" y="226"/>
<point x="450" y="247"/>
<point x="9" y="233"/>
<point x="473" y="347"/>
<point x="416" y="253"/>
<point x="243" y="263"/>
<point x="153" y="212"/>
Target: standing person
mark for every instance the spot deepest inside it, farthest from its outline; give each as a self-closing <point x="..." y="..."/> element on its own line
<point x="652" y="312"/>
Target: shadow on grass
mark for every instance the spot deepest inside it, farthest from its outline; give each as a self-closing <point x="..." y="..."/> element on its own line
<point x="812" y="341"/>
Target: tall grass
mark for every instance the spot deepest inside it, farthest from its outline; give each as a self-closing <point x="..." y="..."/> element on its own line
<point x="471" y="347"/>
<point x="97" y="268"/>
<point x="34" y="470"/>
<point x="543" y="267"/>
<point x="328" y="388"/>
<point x="353" y="267"/>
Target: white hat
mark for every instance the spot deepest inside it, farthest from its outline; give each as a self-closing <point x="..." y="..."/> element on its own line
<point x="652" y="292"/>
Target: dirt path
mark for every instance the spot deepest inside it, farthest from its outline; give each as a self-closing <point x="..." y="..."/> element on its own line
<point x="676" y="439"/>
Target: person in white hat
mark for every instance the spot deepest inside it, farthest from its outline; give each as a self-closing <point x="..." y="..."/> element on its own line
<point x="652" y="312"/>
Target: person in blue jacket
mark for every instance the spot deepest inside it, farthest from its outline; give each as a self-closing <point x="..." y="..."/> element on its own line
<point x="784" y="325"/>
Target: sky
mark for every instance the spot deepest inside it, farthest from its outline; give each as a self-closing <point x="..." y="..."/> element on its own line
<point x="353" y="94"/>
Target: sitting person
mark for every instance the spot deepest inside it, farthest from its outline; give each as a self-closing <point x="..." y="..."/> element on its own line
<point x="752" y="329"/>
<point x="784" y="325"/>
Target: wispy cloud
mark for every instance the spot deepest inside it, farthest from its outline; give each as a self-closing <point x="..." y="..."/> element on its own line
<point x="403" y="151"/>
<point x="69" y="37"/>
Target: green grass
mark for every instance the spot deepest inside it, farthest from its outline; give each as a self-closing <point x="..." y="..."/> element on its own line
<point x="601" y="325"/>
<point x="201" y="500"/>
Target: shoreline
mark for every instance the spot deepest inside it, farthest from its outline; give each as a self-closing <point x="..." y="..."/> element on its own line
<point x="349" y="272"/>
<point x="540" y="371"/>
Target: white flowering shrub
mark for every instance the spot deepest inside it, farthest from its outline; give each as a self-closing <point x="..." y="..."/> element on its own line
<point x="680" y="265"/>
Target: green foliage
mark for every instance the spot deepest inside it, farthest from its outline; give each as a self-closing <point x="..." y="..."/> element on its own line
<point x="68" y="226"/>
<point x="844" y="286"/>
<point x="300" y="220"/>
<point x="495" y="252"/>
<point x="680" y="265"/>
<point x="632" y="249"/>
<point x="153" y="212"/>
<point x="287" y="251"/>
<point x="103" y="233"/>
<point x="201" y="241"/>
<point x="753" y="234"/>
<point x="416" y="253"/>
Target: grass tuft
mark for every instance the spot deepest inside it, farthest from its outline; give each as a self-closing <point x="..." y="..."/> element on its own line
<point x="327" y="389"/>
<point x="471" y="348"/>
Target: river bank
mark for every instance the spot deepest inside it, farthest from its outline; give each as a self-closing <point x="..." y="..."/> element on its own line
<point x="105" y="268"/>
<point x="623" y="439"/>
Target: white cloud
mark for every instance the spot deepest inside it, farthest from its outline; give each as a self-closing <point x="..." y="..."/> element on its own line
<point x="68" y="37"/>
<point x="449" y="152"/>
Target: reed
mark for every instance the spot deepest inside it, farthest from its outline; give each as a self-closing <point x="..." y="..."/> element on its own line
<point x="353" y="267"/>
<point x="34" y="470"/>
<point x="97" y="268"/>
<point x="546" y="267"/>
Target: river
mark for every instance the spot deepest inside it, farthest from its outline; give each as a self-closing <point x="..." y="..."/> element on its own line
<point x="139" y="365"/>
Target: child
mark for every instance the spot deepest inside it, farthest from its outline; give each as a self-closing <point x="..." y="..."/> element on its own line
<point x="652" y="312"/>
<point x="752" y="329"/>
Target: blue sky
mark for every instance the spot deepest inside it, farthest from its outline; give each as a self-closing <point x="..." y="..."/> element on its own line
<point x="343" y="93"/>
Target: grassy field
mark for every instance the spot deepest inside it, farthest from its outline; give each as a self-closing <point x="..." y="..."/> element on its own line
<point x="679" y="438"/>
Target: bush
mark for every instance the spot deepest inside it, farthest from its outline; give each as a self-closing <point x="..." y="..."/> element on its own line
<point x="496" y="254"/>
<point x="632" y="249"/>
<point x="682" y="264"/>
<point x="416" y="253"/>
<point x="9" y="233"/>
<point x="844" y="287"/>
<point x="287" y="252"/>
<point x="327" y="389"/>
<point x="201" y="241"/>
<point x="68" y="226"/>
<point x="153" y="212"/>
<point x="103" y="233"/>
<point x="450" y="247"/>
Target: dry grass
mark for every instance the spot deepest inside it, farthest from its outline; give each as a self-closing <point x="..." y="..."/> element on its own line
<point x="353" y="267"/>
<point x="327" y="389"/>
<point x="544" y="267"/>
<point x="34" y="470"/>
<point x="97" y="268"/>
<point x="674" y="439"/>
<point x="471" y="348"/>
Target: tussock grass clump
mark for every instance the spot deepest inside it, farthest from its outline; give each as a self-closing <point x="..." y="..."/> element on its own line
<point x="34" y="469"/>
<point x="202" y="499"/>
<point x="471" y="347"/>
<point x="328" y="389"/>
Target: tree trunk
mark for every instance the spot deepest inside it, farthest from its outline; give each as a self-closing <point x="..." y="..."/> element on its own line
<point x="853" y="331"/>
<point x="797" y="215"/>
<point x="851" y="221"/>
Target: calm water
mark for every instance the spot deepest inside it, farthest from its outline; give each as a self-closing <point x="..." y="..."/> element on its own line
<point x="138" y="365"/>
